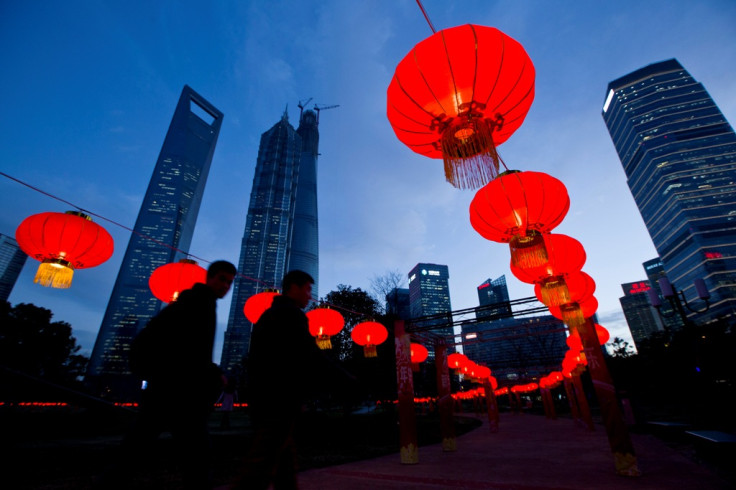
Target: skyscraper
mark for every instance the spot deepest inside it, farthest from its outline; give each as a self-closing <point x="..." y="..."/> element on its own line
<point x="429" y="293"/>
<point x="167" y="215"/>
<point x="12" y="259"/>
<point x="494" y="292"/>
<point x="641" y="316"/>
<point x="281" y="225"/>
<point x="655" y="271"/>
<point x="679" y="156"/>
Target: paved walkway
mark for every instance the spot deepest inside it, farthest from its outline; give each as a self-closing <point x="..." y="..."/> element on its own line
<point x="528" y="453"/>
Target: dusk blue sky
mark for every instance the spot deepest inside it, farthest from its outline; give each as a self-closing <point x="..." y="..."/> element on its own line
<point x="89" y="89"/>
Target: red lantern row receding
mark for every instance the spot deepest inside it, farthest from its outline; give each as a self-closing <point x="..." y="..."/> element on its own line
<point x="458" y="95"/>
<point x="63" y="242"/>
<point x="369" y="335"/>
<point x="324" y="323"/>
<point x="517" y="207"/>
<point x="168" y="280"/>
<point x="257" y="304"/>
<point x="565" y="288"/>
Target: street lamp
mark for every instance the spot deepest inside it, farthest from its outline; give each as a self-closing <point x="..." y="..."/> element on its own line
<point x="677" y="299"/>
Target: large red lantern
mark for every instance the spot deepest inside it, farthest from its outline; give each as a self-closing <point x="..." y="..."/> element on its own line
<point x="63" y="242"/>
<point x="168" y="280"/>
<point x="458" y="95"/>
<point x="257" y="304"/>
<point x="565" y="255"/>
<point x="369" y="335"/>
<point x="516" y="208"/>
<point x="456" y="360"/>
<point x="323" y="324"/>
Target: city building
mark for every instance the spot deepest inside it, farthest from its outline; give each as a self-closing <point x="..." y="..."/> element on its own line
<point x="494" y="293"/>
<point x="654" y="270"/>
<point x="429" y="294"/>
<point x="679" y="156"/>
<point x="641" y="316"/>
<point x="164" y="225"/>
<point x="281" y="224"/>
<point x="12" y="260"/>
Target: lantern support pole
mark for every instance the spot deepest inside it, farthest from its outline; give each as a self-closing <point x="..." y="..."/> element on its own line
<point x="618" y="434"/>
<point x="492" y="405"/>
<point x="444" y="401"/>
<point x="570" y="392"/>
<point x="585" y="416"/>
<point x="409" y="447"/>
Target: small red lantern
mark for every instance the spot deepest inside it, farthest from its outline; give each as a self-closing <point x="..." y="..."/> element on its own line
<point x="63" y="242"/>
<point x="494" y="382"/>
<point x="257" y="304"/>
<point x="574" y="314"/>
<point x="573" y="342"/>
<point x="168" y="280"/>
<point x="602" y="333"/>
<point x="565" y="288"/>
<point x="324" y="323"/>
<point x="458" y="95"/>
<point x="456" y="360"/>
<point x="565" y="255"/>
<point x="369" y="335"/>
<point x="516" y="208"/>
<point x="419" y="354"/>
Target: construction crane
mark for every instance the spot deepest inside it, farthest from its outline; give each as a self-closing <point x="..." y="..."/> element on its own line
<point x="301" y="105"/>
<point x="323" y="108"/>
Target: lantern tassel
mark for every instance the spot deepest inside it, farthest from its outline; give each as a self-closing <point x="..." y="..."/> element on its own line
<point x="370" y="351"/>
<point x="324" y="342"/>
<point x="528" y="250"/>
<point x="470" y="156"/>
<point x="572" y="315"/>
<point x="554" y="291"/>
<point x="55" y="273"/>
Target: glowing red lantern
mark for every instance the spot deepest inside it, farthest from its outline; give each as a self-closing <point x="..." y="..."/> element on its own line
<point x="458" y="95"/>
<point x="565" y="288"/>
<point x="494" y="382"/>
<point x="515" y="208"/>
<point x="257" y="304"/>
<point x="369" y="335"/>
<point x="565" y="255"/>
<point x="574" y="314"/>
<point x="419" y="353"/>
<point x="323" y="324"/>
<point x="168" y="280"/>
<point x="602" y="334"/>
<point x="573" y="342"/>
<point x="63" y="242"/>
<point x="456" y="360"/>
<point x="482" y="373"/>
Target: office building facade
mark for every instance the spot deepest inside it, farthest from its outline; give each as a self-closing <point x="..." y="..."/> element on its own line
<point x="429" y="294"/>
<point x="281" y="229"/>
<point x="165" y="222"/>
<point x="679" y="156"/>
<point x="641" y="317"/>
<point x="12" y="260"/>
<point x="494" y="295"/>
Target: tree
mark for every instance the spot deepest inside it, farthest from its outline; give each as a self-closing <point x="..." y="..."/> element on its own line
<point x="30" y="342"/>
<point x="356" y="306"/>
<point x="381" y="286"/>
<point x="621" y="348"/>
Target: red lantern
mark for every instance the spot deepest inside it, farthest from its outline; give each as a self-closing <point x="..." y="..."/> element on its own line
<point x="257" y="304"/>
<point x="168" y="280"/>
<point x="324" y="323"/>
<point x="573" y="342"/>
<point x="565" y="255"/>
<point x="419" y="353"/>
<point x="458" y="95"/>
<point x="494" y="382"/>
<point x="63" y="242"/>
<point x="565" y="288"/>
<point x="517" y="207"/>
<point x="602" y="333"/>
<point x="574" y="314"/>
<point x="456" y="360"/>
<point x="482" y="373"/>
<point x="369" y="335"/>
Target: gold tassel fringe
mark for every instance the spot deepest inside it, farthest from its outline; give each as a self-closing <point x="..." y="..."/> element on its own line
<point x="554" y="291"/>
<point x="370" y="351"/>
<point x="528" y="250"/>
<point x="324" y="342"/>
<point x="470" y="156"/>
<point x="572" y="315"/>
<point x="56" y="273"/>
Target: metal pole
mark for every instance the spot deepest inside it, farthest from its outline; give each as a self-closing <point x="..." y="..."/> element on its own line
<point x="409" y="448"/>
<point x="445" y="402"/>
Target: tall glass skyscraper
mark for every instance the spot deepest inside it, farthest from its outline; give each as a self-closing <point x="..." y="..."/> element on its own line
<point x="494" y="292"/>
<point x="12" y="259"/>
<point x="679" y="156"/>
<point x="167" y="215"/>
<point x="641" y="317"/>
<point x="281" y="225"/>
<point x="429" y="294"/>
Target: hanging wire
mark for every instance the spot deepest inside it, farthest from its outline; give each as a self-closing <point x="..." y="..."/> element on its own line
<point x="158" y="242"/>
<point x="421" y="7"/>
